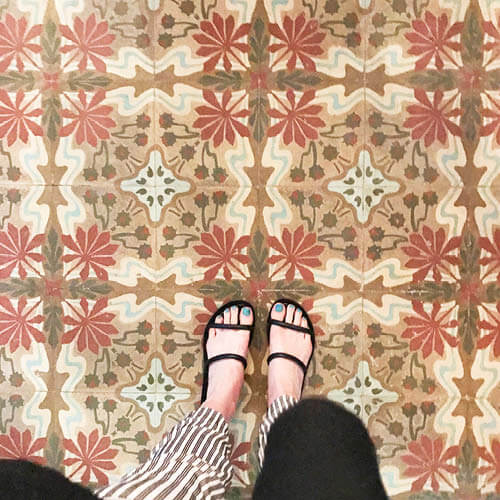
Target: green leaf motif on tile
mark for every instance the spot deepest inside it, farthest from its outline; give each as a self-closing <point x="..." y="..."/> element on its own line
<point x="16" y="81"/>
<point x="53" y="323"/>
<point x="259" y="118"/>
<point x="222" y="80"/>
<point x="17" y="287"/>
<point x="221" y="289"/>
<point x="296" y="80"/>
<point x="468" y="318"/>
<point x="467" y="464"/>
<point x="89" y="289"/>
<point x="430" y="291"/>
<point x="258" y="254"/>
<point x="432" y="80"/>
<point x="50" y="44"/>
<point x="259" y="42"/>
<point x="87" y="81"/>
<point x="52" y="252"/>
<point x="472" y="37"/>
<point x="294" y="289"/>
<point x="54" y="453"/>
<point x="51" y="118"/>
<point x="469" y="255"/>
<point x="470" y="121"/>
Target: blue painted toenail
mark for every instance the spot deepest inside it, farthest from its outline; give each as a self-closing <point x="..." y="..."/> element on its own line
<point x="246" y="311"/>
<point x="291" y="306"/>
<point x="279" y="307"/>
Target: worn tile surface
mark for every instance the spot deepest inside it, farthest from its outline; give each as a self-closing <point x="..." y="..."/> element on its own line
<point x="160" y="157"/>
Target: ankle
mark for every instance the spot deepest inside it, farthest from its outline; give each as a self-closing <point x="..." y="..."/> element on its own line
<point x="224" y="407"/>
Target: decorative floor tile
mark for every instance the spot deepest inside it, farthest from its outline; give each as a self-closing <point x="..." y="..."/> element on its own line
<point x="158" y="158"/>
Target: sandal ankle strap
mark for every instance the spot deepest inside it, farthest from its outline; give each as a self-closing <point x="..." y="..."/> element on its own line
<point x="219" y="357"/>
<point x="290" y="357"/>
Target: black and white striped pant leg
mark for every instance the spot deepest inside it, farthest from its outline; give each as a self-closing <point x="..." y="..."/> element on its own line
<point x="278" y="406"/>
<point x="190" y="462"/>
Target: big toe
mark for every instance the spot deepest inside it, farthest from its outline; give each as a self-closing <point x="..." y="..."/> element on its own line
<point x="278" y="311"/>
<point x="246" y="315"/>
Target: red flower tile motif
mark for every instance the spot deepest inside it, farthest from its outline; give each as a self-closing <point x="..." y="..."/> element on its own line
<point x="431" y="252"/>
<point x="432" y="38"/>
<point x="91" y="121"/>
<point x="299" y="39"/>
<point x="93" y="250"/>
<point x="298" y="121"/>
<point x="492" y="127"/>
<point x="92" y="454"/>
<point x="16" y="42"/>
<point x="238" y="451"/>
<point x="220" y="40"/>
<point x="299" y="251"/>
<point x="17" y="249"/>
<point x="315" y="318"/>
<point x="427" y="331"/>
<point x="431" y="120"/>
<point x="492" y="248"/>
<point x="492" y="336"/>
<point x="220" y="250"/>
<point x="219" y="122"/>
<point x="427" y="460"/>
<point x="15" y="121"/>
<point x="88" y="40"/>
<point x="492" y="470"/>
<point x="492" y="31"/>
<point x="17" y="446"/>
<point x="16" y="324"/>
<point x="92" y="327"/>
<point x="203" y="318"/>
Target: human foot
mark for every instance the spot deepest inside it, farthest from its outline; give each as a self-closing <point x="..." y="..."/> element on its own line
<point x="286" y="376"/>
<point x="225" y="376"/>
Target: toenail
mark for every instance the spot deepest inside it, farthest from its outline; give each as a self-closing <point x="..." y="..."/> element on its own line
<point x="279" y="307"/>
<point x="291" y="306"/>
<point x="246" y="311"/>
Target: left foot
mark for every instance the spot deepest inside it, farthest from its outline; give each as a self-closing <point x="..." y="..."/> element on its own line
<point x="225" y="377"/>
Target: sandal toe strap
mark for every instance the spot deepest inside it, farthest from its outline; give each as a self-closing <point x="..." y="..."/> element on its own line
<point x="230" y="327"/>
<point x="290" y="357"/>
<point x="291" y="326"/>
<point x="219" y="357"/>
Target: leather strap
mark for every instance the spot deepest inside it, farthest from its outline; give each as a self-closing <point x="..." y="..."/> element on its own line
<point x="290" y="326"/>
<point x="290" y="357"/>
<point x="230" y="327"/>
<point x="219" y="357"/>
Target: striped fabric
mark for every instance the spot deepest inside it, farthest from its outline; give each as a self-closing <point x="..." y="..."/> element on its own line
<point x="278" y="406"/>
<point x="192" y="461"/>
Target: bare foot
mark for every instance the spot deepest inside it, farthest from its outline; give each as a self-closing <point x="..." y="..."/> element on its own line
<point x="226" y="376"/>
<point x="285" y="376"/>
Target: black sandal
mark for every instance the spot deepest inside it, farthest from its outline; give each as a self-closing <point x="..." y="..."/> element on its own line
<point x="309" y="331"/>
<point x="212" y="324"/>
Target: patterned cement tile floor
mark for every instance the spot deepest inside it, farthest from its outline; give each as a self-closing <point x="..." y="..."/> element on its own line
<point x="159" y="157"/>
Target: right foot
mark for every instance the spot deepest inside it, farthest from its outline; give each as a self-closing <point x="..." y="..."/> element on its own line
<point x="285" y="376"/>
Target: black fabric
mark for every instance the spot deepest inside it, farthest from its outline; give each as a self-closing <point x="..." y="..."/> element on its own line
<point x="320" y="451"/>
<point x="22" y="480"/>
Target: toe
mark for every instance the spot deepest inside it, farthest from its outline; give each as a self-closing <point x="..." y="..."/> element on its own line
<point x="227" y="316"/>
<point x="278" y="312"/>
<point x="290" y="311"/>
<point x="213" y="331"/>
<point x="234" y="315"/>
<point x="297" y="319"/>
<point x="246" y="315"/>
<point x="304" y="323"/>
